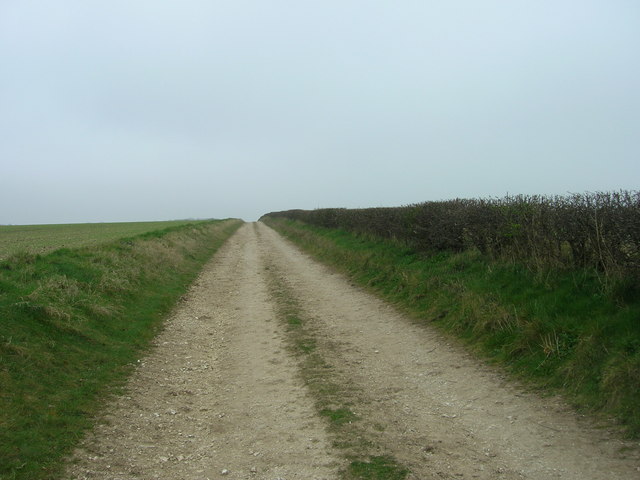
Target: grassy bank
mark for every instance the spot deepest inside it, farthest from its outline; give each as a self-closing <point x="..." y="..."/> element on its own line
<point x="560" y="330"/>
<point x="73" y="322"/>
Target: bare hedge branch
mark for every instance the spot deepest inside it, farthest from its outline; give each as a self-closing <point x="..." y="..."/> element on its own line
<point x="599" y="230"/>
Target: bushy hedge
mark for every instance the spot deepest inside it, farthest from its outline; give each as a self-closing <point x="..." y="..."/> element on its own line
<point x="593" y="230"/>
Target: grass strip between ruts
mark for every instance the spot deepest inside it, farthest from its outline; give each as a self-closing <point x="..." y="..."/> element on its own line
<point x="560" y="330"/>
<point x="72" y="324"/>
<point x="334" y="400"/>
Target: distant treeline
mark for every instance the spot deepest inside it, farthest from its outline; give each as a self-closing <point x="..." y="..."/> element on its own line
<point x="591" y="230"/>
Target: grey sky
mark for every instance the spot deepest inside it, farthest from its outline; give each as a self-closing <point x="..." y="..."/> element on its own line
<point x="163" y="109"/>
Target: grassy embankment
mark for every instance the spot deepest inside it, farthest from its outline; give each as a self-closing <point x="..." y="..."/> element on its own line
<point x="561" y="330"/>
<point x="72" y="324"/>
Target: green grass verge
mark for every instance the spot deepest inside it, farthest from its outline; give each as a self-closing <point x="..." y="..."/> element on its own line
<point x="73" y="323"/>
<point x="561" y="330"/>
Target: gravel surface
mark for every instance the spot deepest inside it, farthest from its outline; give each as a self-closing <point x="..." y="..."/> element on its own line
<point x="221" y="396"/>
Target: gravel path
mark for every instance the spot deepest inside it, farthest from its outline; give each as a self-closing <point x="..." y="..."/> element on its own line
<point x="221" y="395"/>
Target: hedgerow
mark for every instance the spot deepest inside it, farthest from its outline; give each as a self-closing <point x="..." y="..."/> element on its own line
<point x="591" y="230"/>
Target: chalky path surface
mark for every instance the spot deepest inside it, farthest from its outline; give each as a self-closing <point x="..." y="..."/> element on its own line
<point x="220" y="396"/>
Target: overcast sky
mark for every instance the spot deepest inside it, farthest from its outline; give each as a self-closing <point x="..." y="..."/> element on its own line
<point x="164" y="109"/>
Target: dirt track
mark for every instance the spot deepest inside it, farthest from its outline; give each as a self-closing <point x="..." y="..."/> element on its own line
<point x="222" y="396"/>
